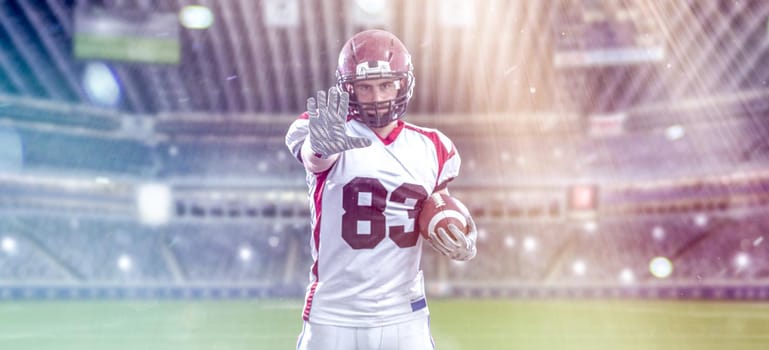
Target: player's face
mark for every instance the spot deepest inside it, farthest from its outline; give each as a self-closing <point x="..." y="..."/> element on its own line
<point x="376" y="90"/>
<point x="377" y="96"/>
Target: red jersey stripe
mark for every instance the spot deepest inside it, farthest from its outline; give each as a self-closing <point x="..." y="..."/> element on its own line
<point x="320" y="181"/>
<point x="393" y="134"/>
<point x="308" y="302"/>
<point x="440" y="149"/>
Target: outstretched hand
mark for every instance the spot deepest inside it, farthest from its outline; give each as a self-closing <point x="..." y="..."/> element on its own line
<point x="328" y="116"/>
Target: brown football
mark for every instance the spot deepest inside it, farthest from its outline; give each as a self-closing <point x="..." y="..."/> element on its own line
<point x="440" y="210"/>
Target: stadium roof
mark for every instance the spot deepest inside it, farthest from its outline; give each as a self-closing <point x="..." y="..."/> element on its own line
<point x="489" y="56"/>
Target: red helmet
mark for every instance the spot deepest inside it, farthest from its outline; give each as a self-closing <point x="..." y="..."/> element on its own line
<point x="376" y="54"/>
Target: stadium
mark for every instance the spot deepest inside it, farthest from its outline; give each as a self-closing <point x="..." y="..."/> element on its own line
<point x="615" y="155"/>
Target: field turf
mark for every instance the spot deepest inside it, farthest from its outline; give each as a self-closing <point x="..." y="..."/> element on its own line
<point x="456" y="324"/>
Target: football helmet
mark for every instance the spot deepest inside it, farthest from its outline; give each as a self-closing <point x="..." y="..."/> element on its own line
<point x="376" y="54"/>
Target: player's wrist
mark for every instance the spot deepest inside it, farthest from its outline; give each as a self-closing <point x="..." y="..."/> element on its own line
<point x="315" y="148"/>
<point x="319" y="155"/>
<point x="313" y="163"/>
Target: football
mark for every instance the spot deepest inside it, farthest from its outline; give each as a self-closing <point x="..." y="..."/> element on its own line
<point x="440" y="210"/>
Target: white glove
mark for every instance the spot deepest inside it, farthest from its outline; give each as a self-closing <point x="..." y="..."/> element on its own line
<point x="457" y="245"/>
<point x="327" y="124"/>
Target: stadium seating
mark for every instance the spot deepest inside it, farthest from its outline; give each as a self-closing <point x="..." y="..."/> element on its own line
<point x="275" y="253"/>
<point x="91" y="250"/>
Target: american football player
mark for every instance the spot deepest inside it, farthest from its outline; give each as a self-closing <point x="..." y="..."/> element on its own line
<point x="368" y="171"/>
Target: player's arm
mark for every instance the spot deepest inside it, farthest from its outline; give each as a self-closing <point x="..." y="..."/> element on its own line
<point x="458" y="245"/>
<point x="296" y="135"/>
<point x="314" y="162"/>
<point x="297" y="142"/>
<point x="327" y="137"/>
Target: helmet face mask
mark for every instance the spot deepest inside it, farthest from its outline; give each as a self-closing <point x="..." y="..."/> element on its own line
<point x="370" y="55"/>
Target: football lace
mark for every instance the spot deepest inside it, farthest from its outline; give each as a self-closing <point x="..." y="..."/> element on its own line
<point x="438" y="199"/>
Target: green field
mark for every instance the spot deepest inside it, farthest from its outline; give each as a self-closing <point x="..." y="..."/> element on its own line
<point x="456" y="324"/>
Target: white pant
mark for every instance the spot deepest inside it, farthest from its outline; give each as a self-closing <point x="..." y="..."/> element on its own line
<point x="411" y="335"/>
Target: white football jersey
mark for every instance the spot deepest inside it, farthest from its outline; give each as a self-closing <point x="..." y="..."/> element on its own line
<point x="365" y="244"/>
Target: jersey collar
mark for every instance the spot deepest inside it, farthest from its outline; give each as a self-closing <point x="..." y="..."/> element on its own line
<point x="393" y="134"/>
<point x="390" y="138"/>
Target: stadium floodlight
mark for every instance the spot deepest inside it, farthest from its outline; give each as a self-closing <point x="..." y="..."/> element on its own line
<point x="590" y="226"/>
<point x="661" y="267"/>
<point x="742" y="260"/>
<point x="529" y="244"/>
<point x="658" y="233"/>
<point x="701" y="219"/>
<point x="372" y="7"/>
<point x="483" y="235"/>
<point x="273" y="241"/>
<point x="101" y="180"/>
<point x="124" y="263"/>
<point x="370" y="13"/>
<point x="101" y="85"/>
<point x="675" y="132"/>
<point x="173" y="150"/>
<point x="626" y="276"/>
<point x="262" y="166"/>
<point x="245" y="253"/>
<point x="9" y="245"/>
<point x="280" y="155"/>
<point x="509" y="241"/>
<point x="154" y="203"/>
<point x="582" y="202"/>
<point x="579" y="267"/>
<point x="196" y="17"/>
